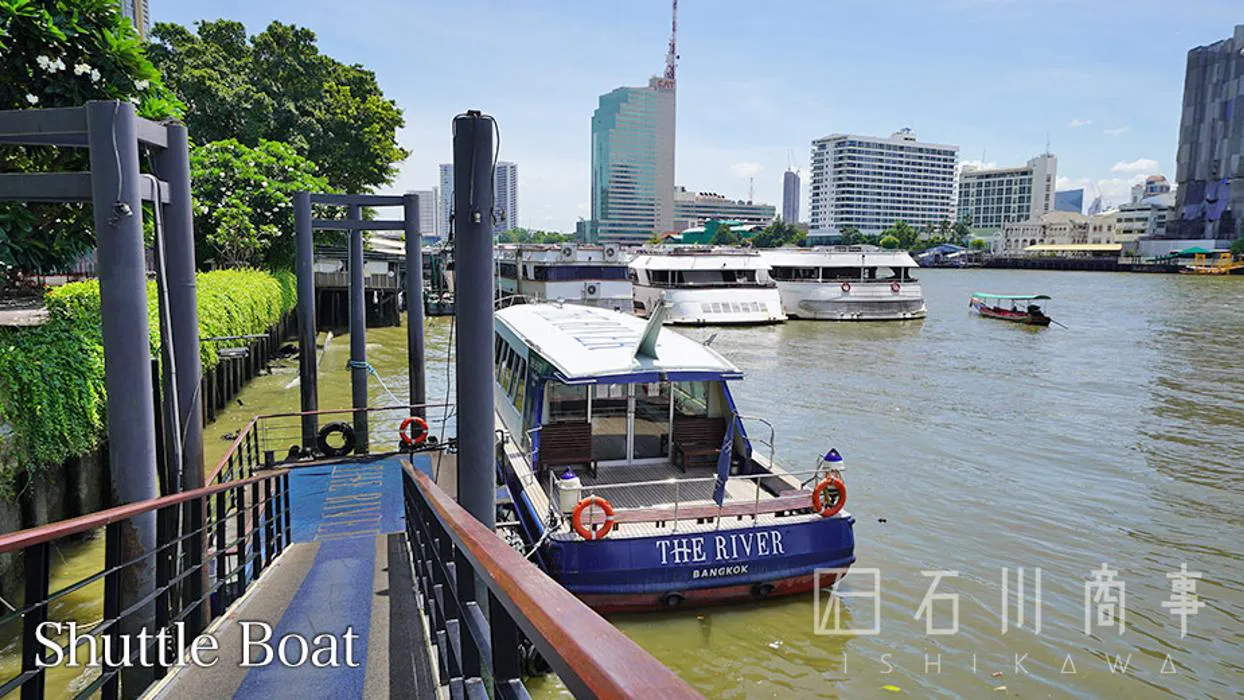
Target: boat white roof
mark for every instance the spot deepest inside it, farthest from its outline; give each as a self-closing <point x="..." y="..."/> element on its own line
<point x="702" y="259"/>
<point x="829" y="257"/>
<point x="583" y="342"/>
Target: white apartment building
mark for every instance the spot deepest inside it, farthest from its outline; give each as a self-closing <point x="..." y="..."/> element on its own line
<point x="991" y="198"/>
<point x="428" y="204"/>
<point x="504" y="192"/>
<point x="869" y="183"/>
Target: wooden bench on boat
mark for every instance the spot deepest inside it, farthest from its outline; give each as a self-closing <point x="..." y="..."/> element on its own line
<point x="697" y="439"/>
<point x="565" y="445"/>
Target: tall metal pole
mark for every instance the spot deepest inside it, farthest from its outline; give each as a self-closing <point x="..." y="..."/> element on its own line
<point x="173" y="166"/>
<point x="472" y="218"/>
<point x="127" y="353"/>
<point x="358" y="334"/>
<point x="414" y="303"/>
<point x="305" y="267"/>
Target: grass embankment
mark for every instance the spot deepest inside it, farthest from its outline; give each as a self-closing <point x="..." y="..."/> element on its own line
<point x="52" y="401"/>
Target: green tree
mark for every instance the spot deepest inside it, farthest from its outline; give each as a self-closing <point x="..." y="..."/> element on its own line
<point x="889" y="241"/>
<point x="778" y="234"/>
<point x="724" y="236"/>
<point x="243" y="201"/>
<point x="962" y="231"/>
<point x="61" y="53"/>
<point x="907" y="236"/>
<point x="277" y="86"/>
<point x="979" y="244"/>
<point x="849" y="235"/>
<point x="1237" y="247"/>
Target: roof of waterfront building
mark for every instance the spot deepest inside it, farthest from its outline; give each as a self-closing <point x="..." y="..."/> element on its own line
<point x="837" y="256"/>
<point x="583" y="342"/>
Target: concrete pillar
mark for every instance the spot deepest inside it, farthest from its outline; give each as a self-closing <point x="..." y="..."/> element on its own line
<point x="127" y="351"/>
<point x="305" y="269"/>
<point x="473" y="249"/>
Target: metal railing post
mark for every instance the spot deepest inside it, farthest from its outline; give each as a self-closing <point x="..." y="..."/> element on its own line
<point x="112" y="602"/>
<point x="239" y="501"/>
<point x="38" y="571"/>
<point x="257" y="548"/>
<point x="504" y="639"/>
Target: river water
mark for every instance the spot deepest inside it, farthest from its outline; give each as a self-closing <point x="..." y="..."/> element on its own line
<point x="972" y="445"/>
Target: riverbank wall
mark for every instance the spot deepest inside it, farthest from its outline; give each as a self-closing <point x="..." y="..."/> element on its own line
<point x="53" y="452"/>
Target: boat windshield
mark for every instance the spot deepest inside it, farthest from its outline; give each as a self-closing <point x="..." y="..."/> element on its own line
<point x="708" y="278"/>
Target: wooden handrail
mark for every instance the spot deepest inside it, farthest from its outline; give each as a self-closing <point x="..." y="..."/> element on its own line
<point x="16" y="541"/>
<point x="586" y="651"/>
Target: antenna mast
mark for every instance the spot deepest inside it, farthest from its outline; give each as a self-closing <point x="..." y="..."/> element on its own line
<point x="671" y="56"/>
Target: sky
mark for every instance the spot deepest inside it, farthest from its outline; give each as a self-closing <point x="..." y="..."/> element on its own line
<point x="1102" y="80"/>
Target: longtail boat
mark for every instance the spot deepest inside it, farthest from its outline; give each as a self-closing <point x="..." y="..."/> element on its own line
<point x="1008" y="307"/>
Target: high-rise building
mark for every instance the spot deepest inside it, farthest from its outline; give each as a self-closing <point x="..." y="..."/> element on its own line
<point x="428" y="205"/>
<point x="790" y="197"/>
<point x="633" y="163"/>
<point x="1152" y="186"/>
<point x="869" y="183"/>
<point x="633" y="158"/>
<point x="695" y="208"/>
<point x="138" y="12"/>
<point x="992" y="197"/>
<point x="1069" y="200"/>
<point x="504" y="193"/>
<point x="1209" y="170"/>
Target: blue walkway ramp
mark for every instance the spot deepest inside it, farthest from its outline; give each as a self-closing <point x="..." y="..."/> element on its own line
<point x="329" y="628"/>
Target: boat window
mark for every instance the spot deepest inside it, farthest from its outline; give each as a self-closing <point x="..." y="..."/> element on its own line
<point x="507" y="269"/>
<point x="609" y="421"/>
<point x="841" y="273"/>
<point x="562" y="273"/>
<point x="567" y="404"/>
<point x="691" y="398"/>
<point x="496" y="348"/>
<point x="885" y="274"/>
<point x="519" y="390"/>
<point x="507" y="368"/>
<point x="652" y="420"/>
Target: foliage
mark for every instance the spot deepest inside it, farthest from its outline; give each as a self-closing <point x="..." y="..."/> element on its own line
<point x="978" y="244"/>
<point x="849" y="235"/>
<point x="778" y="234"/>
<point x="724" y="236"/>
<point x="522" y="235"/>
<point x="61" y="53"/>
<point x="962" y="231"/>
<point x="277" y="86"/>
<point x="52" y="399"/>
<point x="907" y="236"/>
<point x="889" y="242"/>
<point x="1237" y="246"/>
<point x="243" y="202"/>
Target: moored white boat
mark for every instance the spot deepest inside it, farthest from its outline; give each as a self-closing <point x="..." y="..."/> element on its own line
<point x="704" y="285"/>
<point x="590" y="275"/>
<point x="634" y="481"/>
<point x="846" y="283"/>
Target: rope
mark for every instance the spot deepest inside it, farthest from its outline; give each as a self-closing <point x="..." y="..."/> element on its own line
<point x="364" y="364"/>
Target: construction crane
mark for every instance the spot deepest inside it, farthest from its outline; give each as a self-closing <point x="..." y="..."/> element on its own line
<point x="671" y="56"/>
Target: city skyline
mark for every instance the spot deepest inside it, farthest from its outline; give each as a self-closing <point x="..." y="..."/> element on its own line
<point x="1077" y="84"/>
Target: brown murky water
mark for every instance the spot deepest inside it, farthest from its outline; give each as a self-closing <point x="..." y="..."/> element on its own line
<point x="972" y="445"/>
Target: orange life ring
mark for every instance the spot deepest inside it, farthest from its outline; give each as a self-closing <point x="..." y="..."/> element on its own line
<point x="846" y="287"/>
<point x="895" y="287"/>
<point x="823" y="505"/>
<point x="420" y="435"/>
<point x="576" y="518"/>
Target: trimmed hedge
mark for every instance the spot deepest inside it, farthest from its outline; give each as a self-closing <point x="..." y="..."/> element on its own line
<point x="52" y="398"/>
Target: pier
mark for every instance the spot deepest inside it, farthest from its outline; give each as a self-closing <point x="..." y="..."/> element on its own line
<point x="388" y="580"/>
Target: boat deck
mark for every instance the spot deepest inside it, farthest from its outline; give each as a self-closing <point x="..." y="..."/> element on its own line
<point x="646" y="495"/>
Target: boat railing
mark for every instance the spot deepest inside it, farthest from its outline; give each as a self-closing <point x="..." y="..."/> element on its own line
<point x="480" y="640"/>
<point x="759" y="284"/>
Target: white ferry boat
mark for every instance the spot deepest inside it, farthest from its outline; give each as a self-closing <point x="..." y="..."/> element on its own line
<point x="846" y="283"/>
<point x="631" y="477"/>
<point x="591" y="275"/>
<point x="705" y="285"/>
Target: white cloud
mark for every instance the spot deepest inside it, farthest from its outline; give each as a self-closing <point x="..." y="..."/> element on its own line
<point x="1116" y="132"/>
<point x="745" y="169"/>
<point x="1140" y="165"/>
<point x="1077" y="123"/>
<point x="978" y="164"/>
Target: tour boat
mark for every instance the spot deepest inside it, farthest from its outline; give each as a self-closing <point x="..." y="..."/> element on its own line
<point x="995" y="306"/>
<point x="632" y="479"/>
<point x="704" y="285"/>
<point x="591" y="275"/>
<point x="846" y="283"/>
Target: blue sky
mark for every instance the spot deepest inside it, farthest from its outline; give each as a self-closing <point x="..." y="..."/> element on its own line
<point x="758" y="80"/>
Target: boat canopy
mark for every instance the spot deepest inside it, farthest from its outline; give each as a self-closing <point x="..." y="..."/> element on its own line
<point x="1011" y="297"/>
<point x="706" y="260"/>
<point x="832" y="257"/>
<point x="584" y="343"/>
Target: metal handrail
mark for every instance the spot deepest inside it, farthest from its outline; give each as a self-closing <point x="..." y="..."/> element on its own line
<point x="451" y="550"/>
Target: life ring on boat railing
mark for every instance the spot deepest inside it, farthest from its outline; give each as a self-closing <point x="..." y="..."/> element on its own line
<point x="421" y="431"/>
<point x="829" y="496"/>
<point x="761" y="591"/>
<point x="846" y="287"/>
<point x="347" y="440"/>
<point x="895" y="287"/>
<point x="673" y="599"/>
<point x="576" y="518"/>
